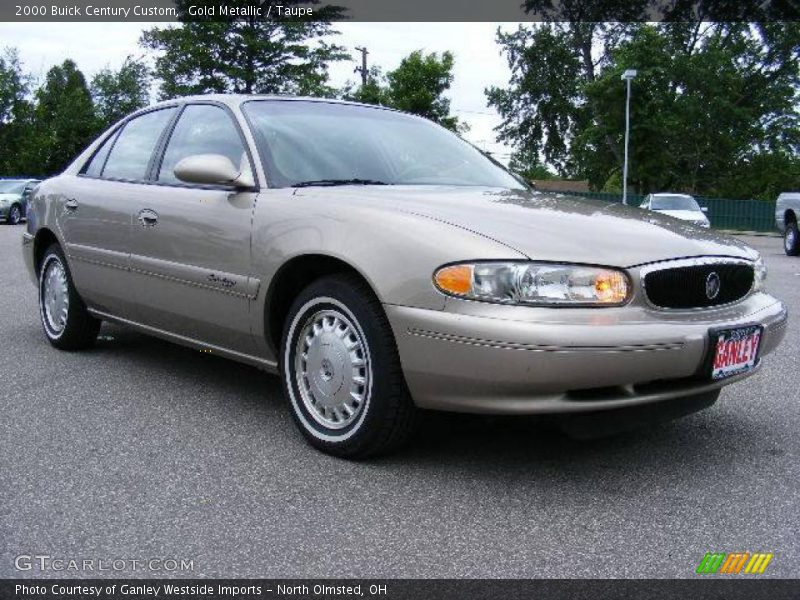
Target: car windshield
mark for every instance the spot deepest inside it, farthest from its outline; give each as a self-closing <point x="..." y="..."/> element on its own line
<point x="674" y="203"/>
<point x="306" y="143"/>
<point x="12" y="187"/>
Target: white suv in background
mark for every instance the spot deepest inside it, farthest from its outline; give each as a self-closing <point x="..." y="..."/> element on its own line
<point x="680" y="206"/>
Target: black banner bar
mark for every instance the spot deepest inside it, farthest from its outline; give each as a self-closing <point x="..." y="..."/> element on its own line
<point x="401" y="10"/>
<point x="733" y="588"/>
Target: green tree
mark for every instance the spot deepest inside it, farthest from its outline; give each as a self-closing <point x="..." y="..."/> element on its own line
<point x="761" y="176"/>
<point x="64" y="121"/>
<point x="416" y="86"/>
<point x="529" y="167"/>
<point x="118" y="93"/>
<point x="266" y="55"/>
<point x="375" y="91"/>
<point x="15" y="112"/>
<point x="708" y="99"/>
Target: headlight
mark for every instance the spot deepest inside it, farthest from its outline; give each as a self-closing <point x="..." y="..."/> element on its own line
<point x="534" y="283"/>
<point x="759" y="274"/>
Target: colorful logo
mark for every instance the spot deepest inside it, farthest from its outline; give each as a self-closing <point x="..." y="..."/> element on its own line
<point x="734" y="563"/>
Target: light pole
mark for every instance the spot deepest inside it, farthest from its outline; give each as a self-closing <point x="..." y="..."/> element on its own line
<point x="627" y="76"/>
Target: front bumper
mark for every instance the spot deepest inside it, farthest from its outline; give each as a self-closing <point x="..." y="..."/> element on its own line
<point x="486" y="358"/>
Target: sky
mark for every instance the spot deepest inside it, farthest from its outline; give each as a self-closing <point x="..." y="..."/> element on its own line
<point x="478" y="62"/>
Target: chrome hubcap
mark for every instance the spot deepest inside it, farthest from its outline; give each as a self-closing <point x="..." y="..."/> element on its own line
<point x="791" y="232"/>
<point x="332" y="368"/>
<point x="55" y="296"/>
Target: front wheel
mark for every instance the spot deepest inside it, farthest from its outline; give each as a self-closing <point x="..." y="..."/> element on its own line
<point x="66" y="322"/>
<point x="14" y="215"/>
<point x="791" y="239"/>
<point x="341" y="371"/>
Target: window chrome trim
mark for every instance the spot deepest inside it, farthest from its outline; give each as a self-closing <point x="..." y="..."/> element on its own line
<point x="667" y="265"/>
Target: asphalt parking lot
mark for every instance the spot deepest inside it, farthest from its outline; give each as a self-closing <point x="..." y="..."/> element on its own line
<point x="141" y="449"/>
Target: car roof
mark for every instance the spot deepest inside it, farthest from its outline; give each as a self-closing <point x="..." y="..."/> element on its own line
<point x="238" y="99"/>
<point x="673" y="194"/>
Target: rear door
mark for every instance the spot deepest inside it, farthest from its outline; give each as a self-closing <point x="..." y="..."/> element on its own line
<point x="96" y="207"/>
<point x="191" y="261"/>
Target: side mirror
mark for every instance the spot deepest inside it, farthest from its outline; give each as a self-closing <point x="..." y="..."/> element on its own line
<point x="213" y="169"/>
<point x="704" y="209"/>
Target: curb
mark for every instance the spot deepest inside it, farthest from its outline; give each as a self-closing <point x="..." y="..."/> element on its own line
<point x="771" y="234"/>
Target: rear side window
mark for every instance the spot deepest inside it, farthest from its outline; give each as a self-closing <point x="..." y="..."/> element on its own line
<point x="131" y="154"/>
<point x="202" y="129"/>
<point x="95" y="166"/>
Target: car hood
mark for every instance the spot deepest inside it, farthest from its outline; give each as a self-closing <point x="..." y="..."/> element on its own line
<point x="683" y="215"/>
<point x="9" y="196"/>
<point x="548" y="227"/>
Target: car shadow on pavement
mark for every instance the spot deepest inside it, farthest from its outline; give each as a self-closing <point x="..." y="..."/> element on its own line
<point x="530" y="446"/>
<point x="536" y="447"/>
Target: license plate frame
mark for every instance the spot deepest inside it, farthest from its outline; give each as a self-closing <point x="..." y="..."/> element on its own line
<point x="718" y="372"/>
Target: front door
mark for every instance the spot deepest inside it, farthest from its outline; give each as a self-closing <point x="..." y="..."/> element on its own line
<point x="190" y="246"/>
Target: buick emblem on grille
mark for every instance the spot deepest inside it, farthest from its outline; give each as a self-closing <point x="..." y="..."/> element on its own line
<point x="712" y="285"/>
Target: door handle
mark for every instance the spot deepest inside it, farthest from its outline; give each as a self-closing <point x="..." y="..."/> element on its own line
<point x="147" y="217"/>
<point x="71" y="204"/>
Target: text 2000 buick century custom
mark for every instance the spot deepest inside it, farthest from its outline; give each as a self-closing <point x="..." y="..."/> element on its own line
<point x="379" y="264"/>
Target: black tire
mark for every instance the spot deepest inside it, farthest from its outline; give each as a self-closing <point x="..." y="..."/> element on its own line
<point x="75" y="329"/>
<point x="791" y="239"/>
<point x="14" y="215"/>
<point x="384" y="418"/>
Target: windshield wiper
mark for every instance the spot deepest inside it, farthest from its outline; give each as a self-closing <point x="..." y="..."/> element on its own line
<point x="331" y="182"/>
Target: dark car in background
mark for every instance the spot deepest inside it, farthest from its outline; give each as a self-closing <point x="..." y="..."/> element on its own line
<point x="14" y="194"/>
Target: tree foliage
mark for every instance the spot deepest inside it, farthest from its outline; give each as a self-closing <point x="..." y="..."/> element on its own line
<point x="374" y="91"/>
<point x="265" y="55"/>
<point x="118" y="93"/>
<point x="710" y="100"/>
<point x="418" y="85"/>
<point x="64" y="121"/>
<point x="15" y="111"/>
<point x="529" y="167"/>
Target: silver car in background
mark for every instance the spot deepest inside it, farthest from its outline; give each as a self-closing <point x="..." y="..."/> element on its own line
<point x="14" y="194"/>
<point x="380" y="264"/>
<point x="787" y="208"/>
<point x="678" y="206"/>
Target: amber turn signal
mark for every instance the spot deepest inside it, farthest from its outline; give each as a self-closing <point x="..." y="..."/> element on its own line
<point x="455" y="279"/>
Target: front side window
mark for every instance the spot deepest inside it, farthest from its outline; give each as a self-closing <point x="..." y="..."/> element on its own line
<point x="131" y="153"/>
<point x="202" y="129"/>
<point x="308" y="143"/>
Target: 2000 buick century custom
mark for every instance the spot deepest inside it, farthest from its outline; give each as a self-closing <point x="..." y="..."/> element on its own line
<point x="379" y="263"/>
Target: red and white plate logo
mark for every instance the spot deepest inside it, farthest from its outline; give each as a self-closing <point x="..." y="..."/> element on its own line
<point x="736" y="351"/>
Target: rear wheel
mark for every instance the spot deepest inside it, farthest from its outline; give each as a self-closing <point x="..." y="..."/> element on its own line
<point x="14" y="215"/>
<point x="66" y="322"/>
<point x="341" y="371"/>
<point x="791" y="239"/>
